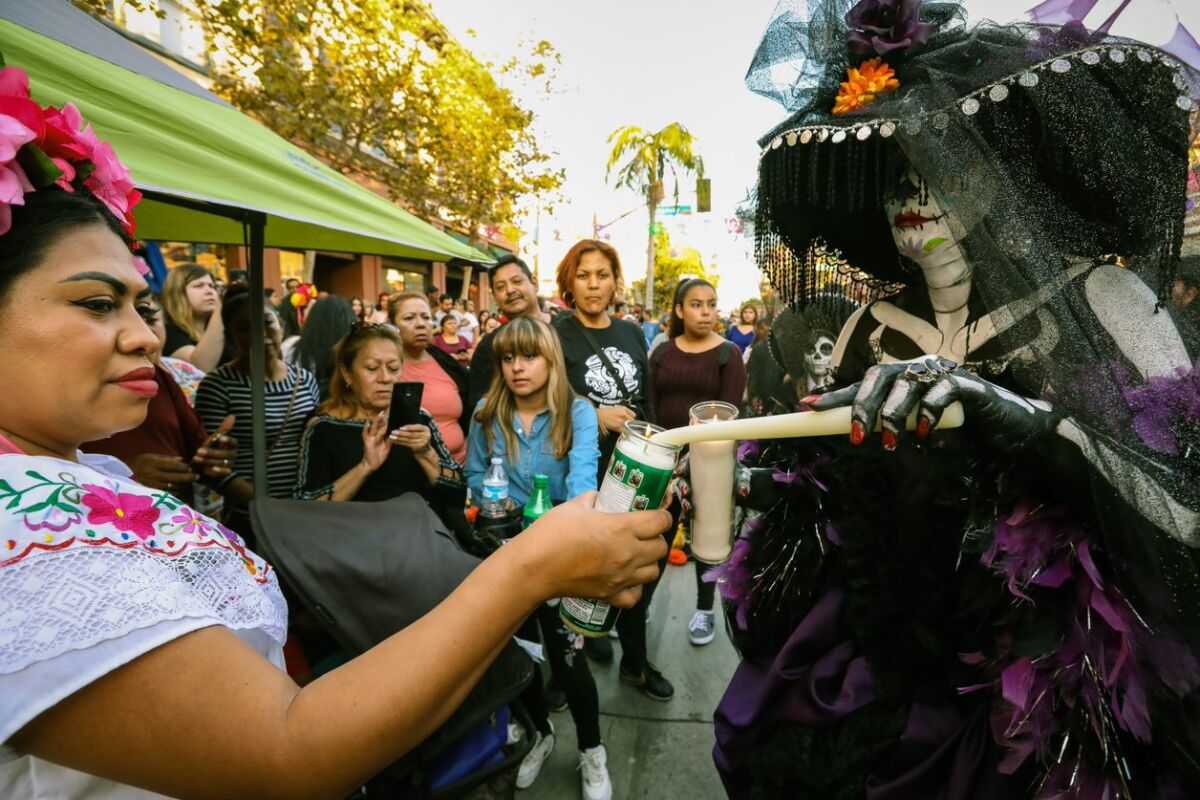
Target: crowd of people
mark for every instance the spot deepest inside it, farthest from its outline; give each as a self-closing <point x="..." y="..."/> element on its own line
<point x="544" y="386"/>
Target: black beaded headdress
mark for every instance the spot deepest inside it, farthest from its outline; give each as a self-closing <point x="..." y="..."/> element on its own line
<point x="1054" y="143"/>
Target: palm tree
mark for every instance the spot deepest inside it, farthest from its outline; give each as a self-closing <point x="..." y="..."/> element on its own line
<point x="646" y="158"/>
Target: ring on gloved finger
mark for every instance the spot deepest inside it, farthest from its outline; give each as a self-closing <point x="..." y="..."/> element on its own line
<point x="947" y="364"/>
<point x="920" y="373"/>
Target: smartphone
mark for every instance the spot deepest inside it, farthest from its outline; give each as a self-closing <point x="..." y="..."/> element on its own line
<point x="406" y="404"/>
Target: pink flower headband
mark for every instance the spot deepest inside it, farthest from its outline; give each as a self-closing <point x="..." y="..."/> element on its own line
<point x="43" y="147"/>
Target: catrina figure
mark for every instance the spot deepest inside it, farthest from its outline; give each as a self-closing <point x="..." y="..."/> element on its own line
<point x="1010" y="609"/>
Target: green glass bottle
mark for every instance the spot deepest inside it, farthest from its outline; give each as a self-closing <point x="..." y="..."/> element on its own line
<point x="539" y="501"/>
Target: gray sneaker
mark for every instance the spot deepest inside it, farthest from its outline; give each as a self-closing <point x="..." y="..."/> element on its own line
<point x="703" y="627"/>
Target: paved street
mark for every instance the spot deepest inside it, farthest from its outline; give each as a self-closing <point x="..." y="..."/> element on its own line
<point x="655" y="750"/>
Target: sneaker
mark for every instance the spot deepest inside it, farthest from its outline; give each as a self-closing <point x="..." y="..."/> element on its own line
<point x="599" y="649"/>
<point x="593" y="764"/>
<point x="702" y="629"/>
<point x="531" y="765"/>
<point x="650" y="681"/>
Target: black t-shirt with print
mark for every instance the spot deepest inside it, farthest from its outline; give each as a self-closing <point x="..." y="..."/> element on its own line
<point x="625" y="347"/>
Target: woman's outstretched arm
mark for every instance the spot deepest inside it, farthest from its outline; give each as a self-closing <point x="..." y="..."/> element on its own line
<point x="206" y="716"/>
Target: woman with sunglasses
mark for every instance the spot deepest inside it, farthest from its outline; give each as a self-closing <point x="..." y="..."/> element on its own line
<point x="348" y="453"/>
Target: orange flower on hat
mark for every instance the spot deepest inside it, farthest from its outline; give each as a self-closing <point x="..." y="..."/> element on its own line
<point x="864" y="83"/>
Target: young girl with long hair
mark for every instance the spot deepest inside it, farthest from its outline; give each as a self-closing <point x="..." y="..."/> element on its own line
<point x="532" y="420"/>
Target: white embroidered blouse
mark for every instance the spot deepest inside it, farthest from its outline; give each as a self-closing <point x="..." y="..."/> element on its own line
<point x="96" y="570"/>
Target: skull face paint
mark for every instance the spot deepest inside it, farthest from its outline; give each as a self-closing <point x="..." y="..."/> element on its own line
<point x="919" y="223"/>
<point x="818" y="361"/>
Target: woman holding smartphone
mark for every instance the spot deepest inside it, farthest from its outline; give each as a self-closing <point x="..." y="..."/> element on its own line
<point x="348" y="453"/>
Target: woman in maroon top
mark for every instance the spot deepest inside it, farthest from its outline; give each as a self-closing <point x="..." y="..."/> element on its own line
<point x="448" y="341"/>
<point x="696" y="364"/>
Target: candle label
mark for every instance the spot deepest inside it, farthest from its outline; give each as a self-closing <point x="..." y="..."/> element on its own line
<point x="630" y="484"/>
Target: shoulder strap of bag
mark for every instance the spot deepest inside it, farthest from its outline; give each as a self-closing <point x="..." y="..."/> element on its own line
<point x="608" y="365"/>
<point x="287" y="416"/>
<point x="723" y="356"/>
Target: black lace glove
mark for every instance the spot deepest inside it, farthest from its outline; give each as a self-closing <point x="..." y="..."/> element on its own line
<point x="755" y="488"/>
<point x="931" y="383"/>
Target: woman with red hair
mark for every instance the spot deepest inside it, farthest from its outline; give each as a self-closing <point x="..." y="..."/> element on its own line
<point x="607" y="364"/>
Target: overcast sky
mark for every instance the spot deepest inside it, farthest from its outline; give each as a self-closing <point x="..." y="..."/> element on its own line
<point x="653" y="62"/>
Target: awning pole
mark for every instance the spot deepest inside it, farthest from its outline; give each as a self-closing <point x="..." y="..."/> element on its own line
<point x="257" y="223"/>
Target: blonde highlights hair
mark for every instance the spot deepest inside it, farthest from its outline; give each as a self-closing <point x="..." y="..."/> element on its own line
<point x="526" y="336"/>
<point x="175" y="300"/>
<point x="341" y="396"/>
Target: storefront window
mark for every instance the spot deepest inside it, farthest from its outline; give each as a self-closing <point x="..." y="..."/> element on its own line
<point x="401" y="280"/>
<point x="210" y="256"/>
<point x="291" y="265"/>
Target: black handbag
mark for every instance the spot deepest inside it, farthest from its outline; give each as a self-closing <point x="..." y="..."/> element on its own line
<point x="367" y="570"/>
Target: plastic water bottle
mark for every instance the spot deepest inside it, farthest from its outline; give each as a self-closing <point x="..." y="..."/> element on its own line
<point x="494" y="502"/>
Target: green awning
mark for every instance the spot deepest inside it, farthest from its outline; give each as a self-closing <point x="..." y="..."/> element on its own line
<point x="184" y="146"/>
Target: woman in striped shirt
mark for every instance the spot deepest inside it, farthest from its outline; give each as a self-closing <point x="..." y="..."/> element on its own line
<point x="291" y="398"/>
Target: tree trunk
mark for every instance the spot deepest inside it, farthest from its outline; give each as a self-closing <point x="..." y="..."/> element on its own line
<point x="648" y="305"/>
<point x="653" y="204"/>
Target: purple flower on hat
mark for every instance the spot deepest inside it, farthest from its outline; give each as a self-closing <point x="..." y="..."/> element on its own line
<point x="886" y="26"/>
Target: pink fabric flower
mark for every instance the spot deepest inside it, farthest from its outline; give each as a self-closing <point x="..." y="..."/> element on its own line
<point x="14" y="82"/>
<point x="191" y="521"/>
<point x="128" y="513"/>
<point x="13" y="134"/>
<point x="60" y="139"/>
<point x="112" y="185"/>
<point x="13" y="186"/>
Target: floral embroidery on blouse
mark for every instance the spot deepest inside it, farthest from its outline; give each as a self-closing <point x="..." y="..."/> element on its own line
<point x="58" y="511"/>
<point x="186" y="374"/>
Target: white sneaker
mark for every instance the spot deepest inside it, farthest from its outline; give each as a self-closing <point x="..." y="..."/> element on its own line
<point x="593" y="764"/>
<point x="531" y="765"/>
<point x="703" y="627"/>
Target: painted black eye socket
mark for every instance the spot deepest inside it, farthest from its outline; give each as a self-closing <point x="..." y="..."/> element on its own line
<point x="904" y="190"/>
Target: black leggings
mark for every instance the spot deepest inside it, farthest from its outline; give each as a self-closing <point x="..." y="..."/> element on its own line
<point x="631" y="624"/>
<point x="706" y="591"/>
<point x="570" y="669"/>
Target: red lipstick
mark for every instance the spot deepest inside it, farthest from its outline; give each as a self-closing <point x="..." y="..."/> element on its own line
<point x="140" y="381"/>
<point x="910" y="219"/>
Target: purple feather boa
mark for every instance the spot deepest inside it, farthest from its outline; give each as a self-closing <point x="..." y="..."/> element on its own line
<point x="1166" y="410"/>
<point x="1099" y="666"/>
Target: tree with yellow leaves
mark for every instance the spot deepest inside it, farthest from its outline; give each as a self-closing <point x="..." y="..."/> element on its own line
<point x="379" y="88"/>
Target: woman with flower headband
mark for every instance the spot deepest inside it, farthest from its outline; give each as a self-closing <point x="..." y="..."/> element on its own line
<point x="126" y="614"/>
<point x="1009" y="609"/>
